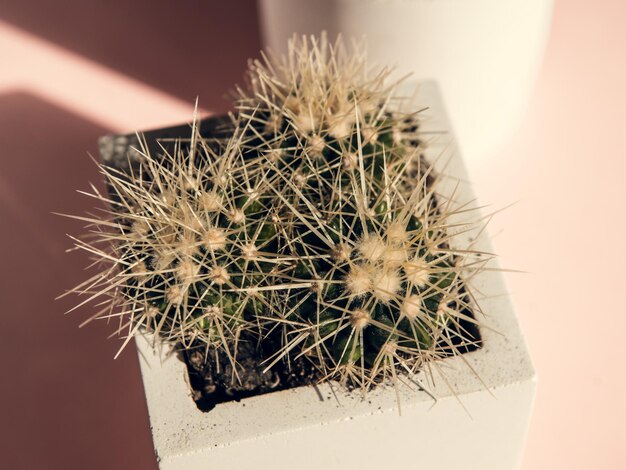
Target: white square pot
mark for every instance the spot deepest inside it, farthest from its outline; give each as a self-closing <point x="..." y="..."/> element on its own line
<point x="482" y="427"/>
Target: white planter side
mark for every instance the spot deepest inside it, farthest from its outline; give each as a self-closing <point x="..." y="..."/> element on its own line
<point x="483" y="427"/>
<point x="485" y="54"/>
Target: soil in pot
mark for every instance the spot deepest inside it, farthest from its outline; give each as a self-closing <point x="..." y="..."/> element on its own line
<point x="214" y="380"/>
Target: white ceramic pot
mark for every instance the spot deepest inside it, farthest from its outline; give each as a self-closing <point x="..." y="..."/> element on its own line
<point x="485" y="54"/>
<point x="483" y="427"/>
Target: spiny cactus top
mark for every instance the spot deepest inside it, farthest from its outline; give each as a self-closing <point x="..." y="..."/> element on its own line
<point x="315" y="227"/>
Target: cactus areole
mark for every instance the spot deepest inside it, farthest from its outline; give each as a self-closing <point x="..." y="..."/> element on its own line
<point x="300" y="240"/>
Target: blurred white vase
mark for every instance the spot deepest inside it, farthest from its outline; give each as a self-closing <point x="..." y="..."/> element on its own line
<point x="485" y="54"/>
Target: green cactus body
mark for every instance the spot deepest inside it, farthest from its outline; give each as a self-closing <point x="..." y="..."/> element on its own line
<point x="315" y="227"/>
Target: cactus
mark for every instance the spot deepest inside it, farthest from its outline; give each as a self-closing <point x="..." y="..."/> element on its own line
<point x="376" y="284"/>
<point x="174" y="247"/>
<point x="316" y="227"/>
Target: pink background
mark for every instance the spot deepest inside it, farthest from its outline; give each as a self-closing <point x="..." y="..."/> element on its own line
<point x="566" y="167"/>
<point x="74" y="71"/>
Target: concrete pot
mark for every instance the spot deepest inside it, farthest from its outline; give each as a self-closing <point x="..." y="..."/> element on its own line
<point x="476" y="423"/>
<point x="485" y="54"/>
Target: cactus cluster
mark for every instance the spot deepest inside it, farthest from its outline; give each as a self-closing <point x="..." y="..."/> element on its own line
<point x="316" y="226"/>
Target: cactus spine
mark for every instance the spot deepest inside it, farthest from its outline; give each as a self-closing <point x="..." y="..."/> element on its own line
<point x="315" y="227"/>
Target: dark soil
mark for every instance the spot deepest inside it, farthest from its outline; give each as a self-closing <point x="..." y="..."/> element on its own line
<point x="214" y="379"/>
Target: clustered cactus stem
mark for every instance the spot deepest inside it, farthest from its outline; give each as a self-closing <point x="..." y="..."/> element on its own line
<point x="316" y="226"/>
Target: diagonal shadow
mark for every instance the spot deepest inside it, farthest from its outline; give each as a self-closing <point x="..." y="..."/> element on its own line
<point x="187" y="49"/>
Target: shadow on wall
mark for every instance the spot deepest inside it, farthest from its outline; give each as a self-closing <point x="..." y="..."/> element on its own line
<point x="65" y="403"/>
<point x="187" y="49"/>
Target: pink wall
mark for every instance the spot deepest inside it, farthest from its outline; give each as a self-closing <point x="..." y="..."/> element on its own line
<point x="69" y="74"/>
<point x="566" y="169"/>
